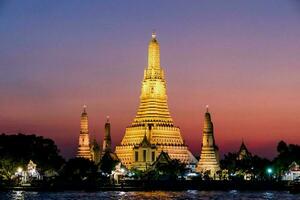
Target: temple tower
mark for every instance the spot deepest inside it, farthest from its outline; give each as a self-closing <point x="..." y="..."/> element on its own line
<point x="84" y="140"/>
<point x="243" y="152"/>
<point x="209" y="158"/>
<point x="107" y="138"/>
<point x="153" y="118"/>
<point x="95" y="151"/>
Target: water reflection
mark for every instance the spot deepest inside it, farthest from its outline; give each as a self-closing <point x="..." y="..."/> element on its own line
<point x="154" y="195"/>
<point x="17" y="195"/>
<point x="269" y="195"/>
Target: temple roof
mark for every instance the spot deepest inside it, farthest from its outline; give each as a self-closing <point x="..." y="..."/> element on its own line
<point x="145" y="143"/>
<point x="163" y="158"/>
<point x="243" y="147"/>
<point x="243" y="152"/>
<point x="294" y="167"/>
<point x="110" y="156"/>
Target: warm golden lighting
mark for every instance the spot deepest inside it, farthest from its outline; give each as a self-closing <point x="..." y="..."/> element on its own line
<point x="20" y="169"/>
<point x="209" y="158"/>
<point x="152" y="130"/>
<point x="84" y="140"/>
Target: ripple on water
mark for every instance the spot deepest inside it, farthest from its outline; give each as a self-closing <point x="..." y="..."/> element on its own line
<point x="155" y="195"/>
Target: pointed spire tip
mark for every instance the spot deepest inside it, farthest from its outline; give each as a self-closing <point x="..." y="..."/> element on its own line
<point x="153" y="34"/>
<point x="84" y="107"/>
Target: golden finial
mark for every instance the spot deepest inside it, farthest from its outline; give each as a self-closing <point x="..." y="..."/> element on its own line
<point x="207" y="106"/>
<point x="107" y="118"/>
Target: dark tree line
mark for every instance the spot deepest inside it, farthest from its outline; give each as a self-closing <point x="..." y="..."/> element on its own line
<point x="165" y="171"/>
<point x="17" y="150"/>
<point x="286" y="155"/>
<point x="251" y="165"/>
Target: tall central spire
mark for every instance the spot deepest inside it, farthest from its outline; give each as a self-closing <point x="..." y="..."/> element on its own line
<point x="153" y="53"/>
<point x="153" y="99"/>
<point x="153" y="122"/>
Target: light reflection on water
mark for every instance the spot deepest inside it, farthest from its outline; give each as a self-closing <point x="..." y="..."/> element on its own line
<point x="155" y="195"/>
<point x="18" y="195"/>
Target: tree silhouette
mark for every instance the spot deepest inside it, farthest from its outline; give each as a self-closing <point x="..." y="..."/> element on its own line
<point x="286" y="155"/>
<point x="17" y="150"/>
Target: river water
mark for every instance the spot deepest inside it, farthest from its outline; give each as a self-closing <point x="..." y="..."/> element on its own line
<point x="190" y="194"/>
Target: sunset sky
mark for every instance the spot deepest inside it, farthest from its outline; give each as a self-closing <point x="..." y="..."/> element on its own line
<point x="240" y="57"/>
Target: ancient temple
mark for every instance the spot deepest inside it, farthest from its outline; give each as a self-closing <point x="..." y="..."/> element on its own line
<point x="209" y="158"/>
<point x="144" y="154"/>
<point x="84" y="140"/>
<point x="243" y="152"/>
<point x="107" y="155"/>
<point x="107" y="138"/>
<point x="95" y="151"/>
<point x="153" y="119"/>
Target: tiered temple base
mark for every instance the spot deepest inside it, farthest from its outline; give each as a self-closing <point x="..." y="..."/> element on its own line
<point x="165" y="139"/>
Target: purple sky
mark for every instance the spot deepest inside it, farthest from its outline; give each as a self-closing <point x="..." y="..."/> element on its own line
<point x="242" y="58"/>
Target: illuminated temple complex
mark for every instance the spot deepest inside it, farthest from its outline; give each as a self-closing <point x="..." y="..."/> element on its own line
<point x="152" y="130"/>
<point x="209" y="158"/>
<point x="84" y="139"/>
